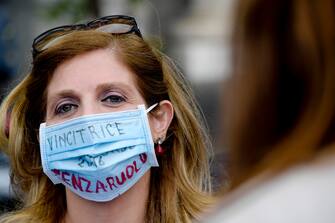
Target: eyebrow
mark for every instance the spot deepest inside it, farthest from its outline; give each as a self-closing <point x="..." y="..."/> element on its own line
<point x="62" y="94"/>
<point x="115" y="85"/>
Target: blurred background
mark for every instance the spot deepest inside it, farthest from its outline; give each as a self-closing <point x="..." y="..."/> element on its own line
<point x="194" y="33"/>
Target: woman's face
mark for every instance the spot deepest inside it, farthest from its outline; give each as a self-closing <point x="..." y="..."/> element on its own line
<point x="95" y="82"/>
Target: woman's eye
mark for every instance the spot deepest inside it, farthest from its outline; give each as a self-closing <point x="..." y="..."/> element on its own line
<point x="65" y="108"/>
<point x="114" y="99"/>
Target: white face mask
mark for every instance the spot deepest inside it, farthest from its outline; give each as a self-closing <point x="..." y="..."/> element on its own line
<point x="101" y="156"/>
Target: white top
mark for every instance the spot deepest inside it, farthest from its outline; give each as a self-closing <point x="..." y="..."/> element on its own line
<point x="303" y="194"/>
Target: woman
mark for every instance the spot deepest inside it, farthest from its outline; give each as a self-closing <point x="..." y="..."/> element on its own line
<point x="104" y="95"/>
<point x="279" y="113"/>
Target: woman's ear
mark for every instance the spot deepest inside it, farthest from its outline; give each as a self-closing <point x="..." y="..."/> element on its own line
<point x="7" y="124"/>
<point x="160" y="119"/>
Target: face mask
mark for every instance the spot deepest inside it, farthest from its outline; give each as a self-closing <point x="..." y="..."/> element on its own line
<point x="101" y="156"/>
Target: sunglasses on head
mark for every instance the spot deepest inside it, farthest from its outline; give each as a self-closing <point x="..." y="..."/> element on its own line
<point x="114" y="24"/>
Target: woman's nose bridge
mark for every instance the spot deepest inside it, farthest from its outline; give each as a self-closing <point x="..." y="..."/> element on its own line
<point x="90" y="106"/>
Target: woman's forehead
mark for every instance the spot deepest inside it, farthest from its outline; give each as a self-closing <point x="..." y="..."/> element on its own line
<point x="89" y="70"/>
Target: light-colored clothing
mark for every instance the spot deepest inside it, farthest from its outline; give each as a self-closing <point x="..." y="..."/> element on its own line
<point x="303" y="194"/>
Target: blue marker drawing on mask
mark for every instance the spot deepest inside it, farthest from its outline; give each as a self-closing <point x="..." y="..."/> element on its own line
<point x="100" y="156"/>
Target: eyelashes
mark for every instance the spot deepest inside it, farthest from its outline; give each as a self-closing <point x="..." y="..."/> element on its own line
<point x="65" y="107"/>
<point x="114" y="99"/>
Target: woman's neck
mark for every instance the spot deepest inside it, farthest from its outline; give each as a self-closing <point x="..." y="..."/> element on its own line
<point x="129" y="207"/>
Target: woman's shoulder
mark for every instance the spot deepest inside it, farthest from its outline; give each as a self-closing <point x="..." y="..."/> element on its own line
<point x="302" y="194"/>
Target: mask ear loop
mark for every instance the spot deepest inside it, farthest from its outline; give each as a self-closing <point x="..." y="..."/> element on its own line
<point x="151" y="107"/>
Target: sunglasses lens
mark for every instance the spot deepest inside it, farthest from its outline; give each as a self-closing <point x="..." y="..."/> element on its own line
<point x="51" y="38"/>
<point x="116" y="28"/>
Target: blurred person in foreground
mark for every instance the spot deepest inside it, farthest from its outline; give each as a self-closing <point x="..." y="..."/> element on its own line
<point x="80" y="130"/>
<point x="279" y="113"/>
